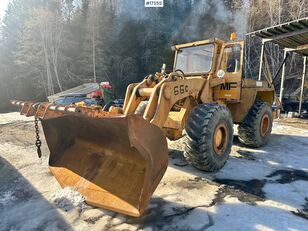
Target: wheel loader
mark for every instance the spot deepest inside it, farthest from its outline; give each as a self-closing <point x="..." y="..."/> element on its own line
<point x="116" y="158"/>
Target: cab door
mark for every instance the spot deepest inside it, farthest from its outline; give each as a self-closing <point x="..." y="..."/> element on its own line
<point x="230" y="67"/>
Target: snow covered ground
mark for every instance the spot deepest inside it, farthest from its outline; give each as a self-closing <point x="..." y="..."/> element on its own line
<point x="258" y="189"/>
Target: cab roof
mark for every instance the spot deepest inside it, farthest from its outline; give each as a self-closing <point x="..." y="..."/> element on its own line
<point x="199" y="43"/>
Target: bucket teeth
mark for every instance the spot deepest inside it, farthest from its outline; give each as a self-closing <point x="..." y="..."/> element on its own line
<point x="48" y="110"/>
<point x="27" y="108"/>
<point x="17" y="103"/>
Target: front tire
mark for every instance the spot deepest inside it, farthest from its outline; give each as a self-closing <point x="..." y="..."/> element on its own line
<point x="256" y="128"/>
<point x="209" y="137"/>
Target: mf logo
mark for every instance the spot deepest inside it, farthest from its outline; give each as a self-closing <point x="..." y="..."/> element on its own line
<point x="228" y="86"/>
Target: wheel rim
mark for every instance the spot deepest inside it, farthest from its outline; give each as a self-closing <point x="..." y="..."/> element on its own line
<point x="265" y="125"/>
<point x="220" y="139"/>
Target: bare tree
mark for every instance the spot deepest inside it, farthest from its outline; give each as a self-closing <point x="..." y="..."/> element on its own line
<point x="40" y="45"/>
<point x="93" y="22"/>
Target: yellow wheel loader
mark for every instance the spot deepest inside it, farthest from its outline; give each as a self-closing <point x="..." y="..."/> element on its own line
<point x="117" y="158"/>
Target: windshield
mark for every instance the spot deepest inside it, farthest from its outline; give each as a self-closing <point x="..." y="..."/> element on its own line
<point x="193" y="60"/>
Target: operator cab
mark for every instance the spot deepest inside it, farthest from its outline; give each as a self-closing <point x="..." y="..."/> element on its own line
<point x="202" y="57"/>
<point x="223" y="59"/>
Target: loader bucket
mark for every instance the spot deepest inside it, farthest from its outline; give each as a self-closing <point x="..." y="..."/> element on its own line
<point x="115" y="162"/>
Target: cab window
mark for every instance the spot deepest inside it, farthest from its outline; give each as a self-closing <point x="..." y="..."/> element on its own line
<point x="195" y="60"/>
<point x="231" y="59"/>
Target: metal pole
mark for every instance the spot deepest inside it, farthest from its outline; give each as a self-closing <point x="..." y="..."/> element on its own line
<point x="302" y="87"/>
<point x="280" y="67"/>
<point x="282" y="76"/>
<point x="261" y="60"/>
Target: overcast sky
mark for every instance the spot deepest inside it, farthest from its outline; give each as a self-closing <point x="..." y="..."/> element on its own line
<point x="3" y="5"/>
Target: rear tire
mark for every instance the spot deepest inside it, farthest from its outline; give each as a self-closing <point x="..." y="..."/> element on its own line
<point x="209" y="137"/>
<point x="256" y="128"/>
